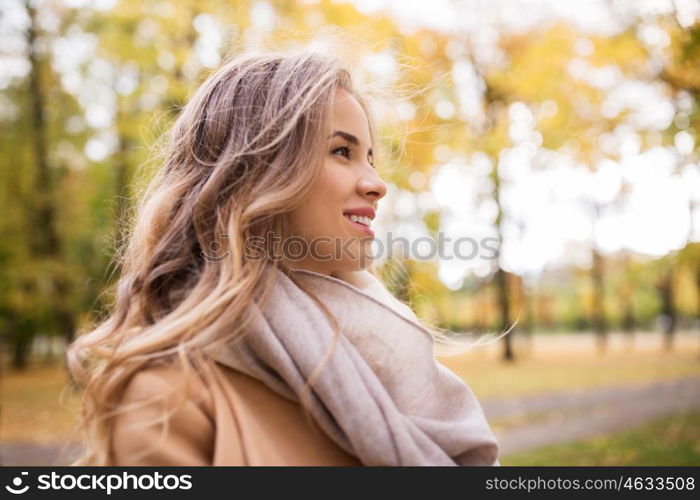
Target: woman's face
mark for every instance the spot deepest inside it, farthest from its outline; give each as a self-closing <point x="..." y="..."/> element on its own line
<point x="348" y="187"/>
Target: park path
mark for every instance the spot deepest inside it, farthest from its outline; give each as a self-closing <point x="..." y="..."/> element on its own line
<point x="569" y="416"/>
<point x="546" y="418"/>
<point x="13" y="453"/>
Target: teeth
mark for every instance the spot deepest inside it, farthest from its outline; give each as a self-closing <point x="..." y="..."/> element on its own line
<point x="362" y="219"/>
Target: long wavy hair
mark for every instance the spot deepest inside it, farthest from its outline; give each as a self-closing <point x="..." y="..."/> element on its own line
<point x="242" y="154"/>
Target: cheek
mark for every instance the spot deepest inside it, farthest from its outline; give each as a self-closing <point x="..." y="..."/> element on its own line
<point x="334" y="189"/>
<point x="338" y="185"/>
<point x="317" y="216"/>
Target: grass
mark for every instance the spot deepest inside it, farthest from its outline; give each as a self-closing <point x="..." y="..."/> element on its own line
<point x="504" y="424"/>
<point x="552" y="365"/>
<point x="38" y="405"/>
<point x="667" y="441"/>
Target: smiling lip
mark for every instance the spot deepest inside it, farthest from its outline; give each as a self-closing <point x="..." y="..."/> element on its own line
<point x="364" y="211"/>
<point x="360" y="227"/>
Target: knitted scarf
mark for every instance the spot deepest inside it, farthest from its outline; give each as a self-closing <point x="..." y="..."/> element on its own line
<point x="381" y="395"/>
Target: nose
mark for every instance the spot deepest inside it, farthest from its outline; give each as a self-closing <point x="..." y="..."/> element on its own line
<point x="371" y="186"/>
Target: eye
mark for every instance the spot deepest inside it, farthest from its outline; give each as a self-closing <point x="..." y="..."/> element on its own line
<point x="345" y="151"/>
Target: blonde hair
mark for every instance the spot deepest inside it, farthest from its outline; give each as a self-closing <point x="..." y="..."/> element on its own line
<point x="243" y="152"/>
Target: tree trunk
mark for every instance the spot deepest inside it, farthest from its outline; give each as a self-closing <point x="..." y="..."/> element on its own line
<point x="668" y="310"/>
<point x="44" y="241"/>
<point x="504" y="306"/>
<point x="44" y="237"/>
<point x="501" y="275"/>
<point x="600" y="325"/>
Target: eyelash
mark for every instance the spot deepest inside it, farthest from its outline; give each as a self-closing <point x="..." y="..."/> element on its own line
<point x="347" y="149"/>
<point x="347" y="155"/>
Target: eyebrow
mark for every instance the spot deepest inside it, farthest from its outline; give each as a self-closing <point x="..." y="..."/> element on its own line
<point x="350" y="138"/>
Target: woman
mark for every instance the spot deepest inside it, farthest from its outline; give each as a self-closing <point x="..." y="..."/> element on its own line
<point x="247" y="329"/>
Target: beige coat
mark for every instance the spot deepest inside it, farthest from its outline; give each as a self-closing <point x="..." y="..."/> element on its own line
<point x="230" y="419"/>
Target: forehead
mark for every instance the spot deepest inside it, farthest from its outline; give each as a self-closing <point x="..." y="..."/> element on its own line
<point x="349" y="116"/>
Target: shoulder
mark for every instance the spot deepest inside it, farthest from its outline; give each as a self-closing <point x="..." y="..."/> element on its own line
<point x="165" y="417"/>
<point x="167" y="377"/>
<point x="171" y="384"/>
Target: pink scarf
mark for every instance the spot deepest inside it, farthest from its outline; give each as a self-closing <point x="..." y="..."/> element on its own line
<point x="381" y="396"/>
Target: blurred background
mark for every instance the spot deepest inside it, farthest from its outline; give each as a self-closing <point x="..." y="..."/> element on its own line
<point x="561" y="136"/>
